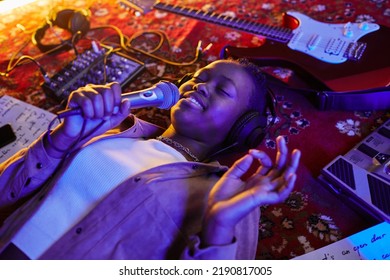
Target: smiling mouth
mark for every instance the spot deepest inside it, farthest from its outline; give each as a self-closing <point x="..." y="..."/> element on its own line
<point x="195" y="102"/>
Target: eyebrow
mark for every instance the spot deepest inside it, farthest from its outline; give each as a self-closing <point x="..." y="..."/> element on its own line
<point x="201" y="71"/>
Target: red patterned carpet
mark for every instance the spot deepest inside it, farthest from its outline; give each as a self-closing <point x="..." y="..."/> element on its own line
<point x="166" y="42"/>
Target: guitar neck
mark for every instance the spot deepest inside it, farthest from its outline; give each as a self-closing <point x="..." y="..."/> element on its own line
<point x="279" y="34"/>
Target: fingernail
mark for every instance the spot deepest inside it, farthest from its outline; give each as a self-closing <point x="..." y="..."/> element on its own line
<point x="256" y="152"/>
<point x="115" y="110"/>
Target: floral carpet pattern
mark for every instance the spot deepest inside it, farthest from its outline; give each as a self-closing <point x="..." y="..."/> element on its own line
<point x="166" y="43"/>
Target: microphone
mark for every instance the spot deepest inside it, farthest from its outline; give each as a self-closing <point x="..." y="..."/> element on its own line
<point x="162" y="95"/>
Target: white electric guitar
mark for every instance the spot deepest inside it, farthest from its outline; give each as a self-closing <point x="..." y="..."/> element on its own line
<point x="341" y="57"/>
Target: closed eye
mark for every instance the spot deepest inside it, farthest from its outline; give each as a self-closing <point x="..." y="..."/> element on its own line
<point x="223" y="89"/>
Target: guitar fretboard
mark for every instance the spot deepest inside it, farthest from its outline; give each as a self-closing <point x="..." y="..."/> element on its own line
<point x="279" y="34"/>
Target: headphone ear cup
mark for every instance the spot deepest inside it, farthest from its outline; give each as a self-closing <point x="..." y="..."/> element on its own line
<point x="63" y="18"/>
<point x="79" y="22"/>
<point x="248" y="131"/>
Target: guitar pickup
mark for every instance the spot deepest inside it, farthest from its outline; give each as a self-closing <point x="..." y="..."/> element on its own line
<point x="355" y="51"/>
<point x="313" y="42"/>
<point x="334" y="46"/>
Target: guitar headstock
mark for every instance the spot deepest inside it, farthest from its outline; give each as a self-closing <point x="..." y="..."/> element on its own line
<point x="140" y="6"/>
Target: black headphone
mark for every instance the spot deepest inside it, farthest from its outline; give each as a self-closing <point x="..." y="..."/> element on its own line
<point x="251" y="127"/>
<point x="76" y="22"/>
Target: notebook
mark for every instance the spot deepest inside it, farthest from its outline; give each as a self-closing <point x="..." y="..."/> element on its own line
<point x="362" y="175"/>
<point x="27" y="121"/>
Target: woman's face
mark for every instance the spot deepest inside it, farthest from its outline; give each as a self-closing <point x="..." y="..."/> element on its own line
<point x="212" y="101"/>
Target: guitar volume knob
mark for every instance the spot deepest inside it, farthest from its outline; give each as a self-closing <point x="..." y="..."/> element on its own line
<point x="347" y="30"/>
<point x="363" y="26"/>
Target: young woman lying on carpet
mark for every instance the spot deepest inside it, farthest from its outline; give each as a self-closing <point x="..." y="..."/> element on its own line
<point x="122" y="192"/>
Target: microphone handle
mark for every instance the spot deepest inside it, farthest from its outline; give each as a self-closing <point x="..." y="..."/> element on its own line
<point x="144" y="98"/>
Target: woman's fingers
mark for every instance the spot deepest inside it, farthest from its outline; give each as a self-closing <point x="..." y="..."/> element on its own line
<point x="265" y="162"/>
<point x="293" y="164"/>
<point x="281" y="156"/>
<point x="79" y="99"/>
<point x="97" y="109"/>
<point x="230" y="183"/>
<point x="97" y="101"/>
<point x="240" y="167"/>
<point x="112" y="99"/>
<point x="266" y="192"/>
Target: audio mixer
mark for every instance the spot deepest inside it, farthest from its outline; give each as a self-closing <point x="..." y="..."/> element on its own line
<point x="94" y="66"/>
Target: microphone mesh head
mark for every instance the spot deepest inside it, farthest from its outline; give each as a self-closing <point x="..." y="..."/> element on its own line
<point x="170" y="94"/>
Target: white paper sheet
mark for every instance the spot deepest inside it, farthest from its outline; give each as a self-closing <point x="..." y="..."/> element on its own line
<point x="27" y="121"/>
<point x="370" y="244"/>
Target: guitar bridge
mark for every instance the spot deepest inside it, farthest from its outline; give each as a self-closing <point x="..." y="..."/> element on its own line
<point x="355" y="51"/>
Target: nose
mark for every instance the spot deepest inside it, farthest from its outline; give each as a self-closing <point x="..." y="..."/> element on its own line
<point x="201" y="88"/>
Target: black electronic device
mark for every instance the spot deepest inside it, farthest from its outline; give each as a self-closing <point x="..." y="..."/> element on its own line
<point x="94" y="66"/>
<point x="7" y="135"/>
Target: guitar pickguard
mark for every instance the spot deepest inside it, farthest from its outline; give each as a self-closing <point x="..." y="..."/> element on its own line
<point x="332" y="43"/>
